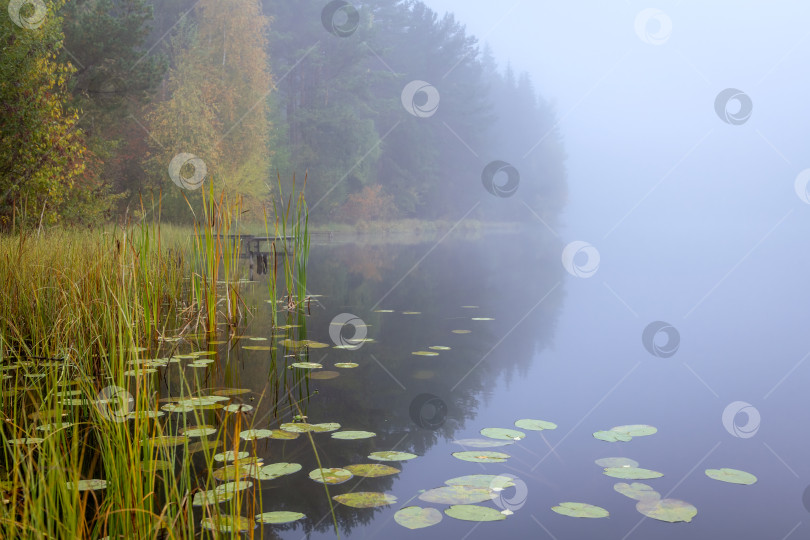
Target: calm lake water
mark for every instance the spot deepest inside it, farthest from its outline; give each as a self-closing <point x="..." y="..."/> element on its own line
<point x="564" y="349"/>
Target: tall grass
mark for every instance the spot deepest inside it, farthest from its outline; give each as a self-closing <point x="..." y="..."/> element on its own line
<point x="91" y="325"/>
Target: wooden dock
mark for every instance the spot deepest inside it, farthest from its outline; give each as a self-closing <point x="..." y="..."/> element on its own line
<point x="253" y="249"/>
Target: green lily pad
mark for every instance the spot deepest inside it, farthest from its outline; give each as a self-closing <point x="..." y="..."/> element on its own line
<point x="425" y="353"/>
<point x="226" y="523"/>
<point x="616" y="462"/>
<point x="279" y="517"/>
<point x="325" y="427"/>
<point x="149" y="466"/>
<point x="284" y="435"/>
<point x="230" y="456"/>
<point x="612" y="436"/>
<point x="365" y="499"/>
<point x="414" y="517"/>
<point x="461" y="331"/>
<point x="391" y="456"/>
<point x="580" y="510"/>
<point x="670" y="510"/>
<point x="331" y="476"/>
<point x="732" y="476"/>
<point x="353" y="435"/>
<point x="231" y="391"/>
<point x="456" y="494"/>
<point x="199" y="431"/>
<point x="504" y="434"/>
<point x="253" y="434"/>
<point x="473" y="512"/>
<point x="631" y="473"/>
<point x="275" y="470"/>
<point x="297" y="427"/>
<point x="346" y="365"/>
<point x="482" y="456"/>
<point x="324" y="375"/>
<point x="235" y="472"/>
<point x="482" y="443"/>
<point x="258" y="347"/>
<point x="238" y="407"/>
<point x="371" y="470"/>
<point x="306" y="365"/>
<point x="535" y="425"/>
<point x="637" y="491"/>
<point x="233" y="487"/>
<point x="439" y="348"/>
<point x="481" y="480"/>
<point x="204" y="444"/>
<point x="635" y="430"/>
<point x="87" y="485"/>
<point x="212" y="496"/>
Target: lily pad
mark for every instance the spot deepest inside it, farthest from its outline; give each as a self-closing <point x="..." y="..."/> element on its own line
<point x="461" y="331"/>
<point x="371" y="470"/>
<point x="637" y="491"/>
<point x="365" y="499"/>
<point x="231" y="391"/>
<point x="616" y="462"/>
<point x="612" y="436"/>
<point x="504" y="434"/>
<point x="439" y="348"/>
<point x="631" y="473"/>
<point x="225" y="523"/>
<point x="230" y="456"/>
<point x="324" y="375"/>
<point x="306" y="365"/>
<point x="353" y="435"/>
<point x="253" y="434"/>
<point x="238" y="407"/>
<point x="391" y="456"/>
<point x="580" y="510"/>
<point x="199" y="431"/>
<point x="481" y="480"/>
<point x="258" y="347"/>
<point x="276" y="470"/>
<point x="284" y="435"/>
<point x="325" y="427"/>
<point x="233" y="487"/>
<point x="425" y="353"/>
<point x="732" y="476"/>
<point x="473" y="512"/>
<point x="212" y="496"/>
<point x="87" y="485"/>
<point x="635" y="430"/>
<point x="346" y="365"/>
<point x="535" y="425"/>
<point x="234" y="472"/>
<point x="670" y="510"/>
<point x="279" y="517"/>
<point x="482" y="457"/>
<point x="482" y="443"/>
<point x="331" y="476"/>
<point x="149" y="466"/>
<point x="456" y="494"/>
<point x="414" y="517"/>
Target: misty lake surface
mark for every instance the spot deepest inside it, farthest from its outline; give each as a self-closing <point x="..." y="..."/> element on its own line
<point x="560" y="348"/>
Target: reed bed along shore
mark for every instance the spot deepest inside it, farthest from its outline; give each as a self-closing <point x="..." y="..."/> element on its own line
<point x="111" y="427"/>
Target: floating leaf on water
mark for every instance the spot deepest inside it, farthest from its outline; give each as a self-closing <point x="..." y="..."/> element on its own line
<point x="230" y="456"/>
<point x="52" y="427"/>
<point x="732" y="476"/>
<point x="616" y="462"/>
<point x="231" y="391"/>
<point x="232" y="487"/>
<point x="218" y="342"/>
<point x="535" y="425"/>
<point x="276" y="470"/>
<point x="352" y="435"/>
<point x="365" y="499"/>
<point x="203" y="400"/>
<point x="415" y="517"/>
<point x="439" y="348"/>
<point x="212" y="496"/>
<point x="411" y="312"/>
<point x="315" y="344"/>
<point x="425" y="353"/>
<point x="154" y="465"/>
<point x="635" y="430"/>
<point x="482" y="480"/>
<point x="144" y="415"/>
<point x="75" y="402"/>
<point x="253" y="434"/>
<point x="473" y="512"/>
<point x="346" y="365"/>
<point x="391" y="456"/>
<point x="611" y="436"/>
<point x="670" y="510"/>
<point x="87" y="485"/>
<point x="456" y="494"/>
<point x="137" y="372"/>
<point x="580" y="510"/>
<point x="371" y="470"/>
<point x="637" y="491"/>
<point x="482" y="443"/>
<point x="235" y="472"/>
<point x="631" y="473"/>
<point x="324" y="375"/>
<point x="258" y="339"/>
<point x="383" y="311"/>
<point x="482" y="319"/>
<point x="284" y="435"/>
<point x="276" y="518"/>
<point x="238" y="407"/>
<point x="306" y="365"/>
<point x="225" y="523"/>
<point x="25" y="441"/>
<point x="461" y="331"/>
<point x="178" y="407"/>
<point x="331" y="476"/>
<point x="503" y="434"/>
<point x="199" y="431"/>
<point x="482" y="457"/>
<point x="258" y="347"/>
<point x="303" y="427"/>
<point x="204" y="444"/>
